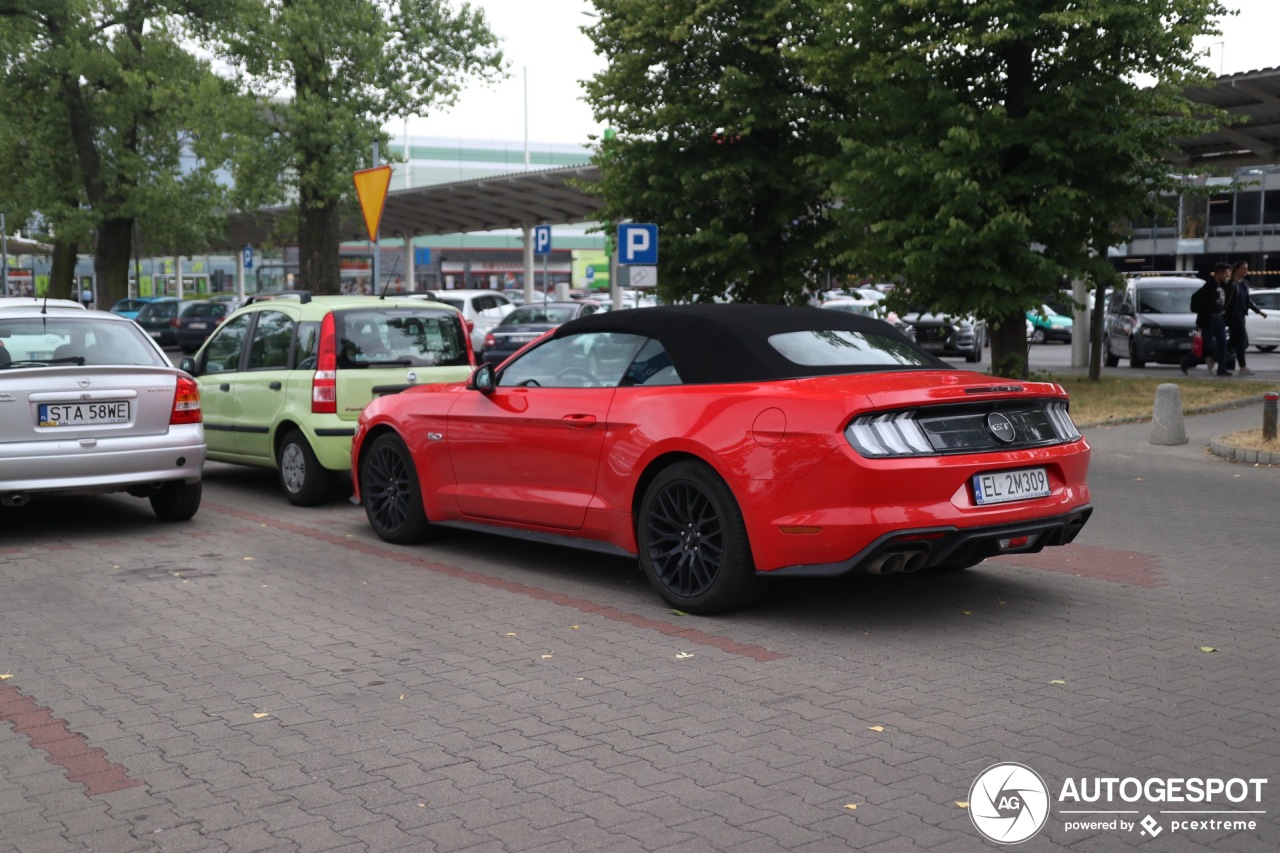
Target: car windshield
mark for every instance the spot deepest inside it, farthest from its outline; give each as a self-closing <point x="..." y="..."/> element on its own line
<point x="555" y="314"/>
<point x="380" y="337"/>
<point x="40" y="341"/>
<point x="1166" y="300"/>
<point x="842" y="348"/>
<point x="452" y="302"/>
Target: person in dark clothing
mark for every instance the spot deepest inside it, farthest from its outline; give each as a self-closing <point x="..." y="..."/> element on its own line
<point x="1239" y="305"/>
<point x="1210" y="305"/>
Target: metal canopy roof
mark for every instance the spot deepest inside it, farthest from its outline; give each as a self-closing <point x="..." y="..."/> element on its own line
<point x="23" y="246"/>
<point x="550" y="196"/>
<point x="482" y="204"/>
<point x="1252" y="99"/>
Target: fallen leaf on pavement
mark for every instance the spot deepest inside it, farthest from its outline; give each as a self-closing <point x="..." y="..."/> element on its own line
<point x="1207" y="649"/>
<point x="6" y="675"/>
<point x="259" y="716"/>
<point x="683" y="655"/>
<point x="962" y="804"/>
<point x="511" y="634"/>
<point x="679" y="613"/>
<point x="544" y="657"/>
<point x="876" y="728"/>
<point x="1057" y="681"/>
<point x="851" y="806"/>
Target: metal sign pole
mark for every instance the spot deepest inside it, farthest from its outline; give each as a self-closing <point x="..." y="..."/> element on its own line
<point x="376" y="253"/>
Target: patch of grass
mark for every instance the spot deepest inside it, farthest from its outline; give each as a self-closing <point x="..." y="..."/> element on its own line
<point x="1116" y="398"/>
<point x="1251" y="439"/>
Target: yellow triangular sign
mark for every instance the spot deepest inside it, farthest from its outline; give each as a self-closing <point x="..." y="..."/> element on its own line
<point x="371" y="188"/>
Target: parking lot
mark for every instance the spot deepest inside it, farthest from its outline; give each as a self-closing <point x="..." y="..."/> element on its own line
<point x="267" y="677"/>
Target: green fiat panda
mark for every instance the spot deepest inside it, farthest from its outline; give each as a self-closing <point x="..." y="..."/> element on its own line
<point x="282" y="381"/>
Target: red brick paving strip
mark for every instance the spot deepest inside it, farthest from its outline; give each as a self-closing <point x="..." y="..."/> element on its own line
<point x="1107" y="564"/>
<point x="85" y="764"/>
<point x="692" y="635"/>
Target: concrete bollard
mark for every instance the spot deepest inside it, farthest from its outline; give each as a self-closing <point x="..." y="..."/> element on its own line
<point x="1167" y="426"/>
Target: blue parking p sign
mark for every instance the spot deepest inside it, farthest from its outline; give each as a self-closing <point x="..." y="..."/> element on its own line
<point x="248" y="257"/>
<point x="542" y="240"/>
<point x="638" y="244"/>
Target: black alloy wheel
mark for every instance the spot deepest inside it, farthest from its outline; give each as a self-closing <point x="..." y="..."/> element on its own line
<point x="390" y="492"/>
<point x="693" y="543"/>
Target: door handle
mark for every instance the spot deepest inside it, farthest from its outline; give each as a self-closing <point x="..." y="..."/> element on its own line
<point x="225" y="386"/>
<point x="274" y="386"/>
<point x="579" y="421"/>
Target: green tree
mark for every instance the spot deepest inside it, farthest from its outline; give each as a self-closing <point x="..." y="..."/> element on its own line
<point x="715" y="124"/>
<point x="106" y="121"/>
<point x="330" y="74"/>
<point x="991" y="147"/>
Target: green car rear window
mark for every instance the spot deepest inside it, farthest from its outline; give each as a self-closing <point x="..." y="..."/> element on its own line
<point x="413" y="337"/>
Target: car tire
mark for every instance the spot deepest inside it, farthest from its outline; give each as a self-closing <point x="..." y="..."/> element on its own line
<point x="693" y="542"/>
<point x="390" y="492"/>
<point x="1109" y="358"/>
<point x="1134" y="361"/>
<point x="1267" y="348"/>
<point x="1037" y="337"/>
<point x="176" y="501"/>
<point x="304" y="481"/>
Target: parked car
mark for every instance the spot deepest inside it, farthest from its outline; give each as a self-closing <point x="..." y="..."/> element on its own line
<point x="1264" y="332"/>
<point x="156" y="319"/>
<point x="90" y="405"/>
<point x="866" y="307"/>
<point x="1149" y="319"/>
<point x="530" y="322"/>
<point x="131" y="305"/>
<point x="1049" y="325"/>
<point x="483" y="309"/>
<point x="284" y="380"/>
<point x="943" y="334"/>
<point x="726" y="444"/>
<point x="196" y="321"/>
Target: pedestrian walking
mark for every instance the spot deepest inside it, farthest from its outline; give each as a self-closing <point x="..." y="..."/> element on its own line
<point x="1210" y="305"/>
<point x="1239" y="304"/>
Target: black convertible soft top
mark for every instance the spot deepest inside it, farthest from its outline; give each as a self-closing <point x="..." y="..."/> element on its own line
<point x="729" y="342"/>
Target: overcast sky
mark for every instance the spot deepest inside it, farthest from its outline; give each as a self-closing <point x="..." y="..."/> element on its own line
<point x="542" y="40"/>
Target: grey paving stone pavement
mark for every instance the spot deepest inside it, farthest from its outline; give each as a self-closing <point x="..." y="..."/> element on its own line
<point x="272" y="678"/>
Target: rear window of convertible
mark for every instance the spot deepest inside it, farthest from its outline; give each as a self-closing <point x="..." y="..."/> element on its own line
<point x="842" y="348"/>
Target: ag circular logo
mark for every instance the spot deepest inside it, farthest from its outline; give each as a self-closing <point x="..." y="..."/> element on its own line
<point x="1001" y="427"/>
<point x="1008" y="803"/>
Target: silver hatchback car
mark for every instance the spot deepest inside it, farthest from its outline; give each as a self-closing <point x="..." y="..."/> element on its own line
<point x="89" y="404"/>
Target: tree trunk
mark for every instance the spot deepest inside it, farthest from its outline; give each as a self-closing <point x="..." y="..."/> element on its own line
<point x="62" y="275"/>
<point x="1009" y="346"/>
<point x="318" y="239"/>
<point x="111" y="260"/>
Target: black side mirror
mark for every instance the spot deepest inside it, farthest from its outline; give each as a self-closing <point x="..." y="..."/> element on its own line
<point x="188" y="364"/>
<point x="1126" y="309"/>
<point x="483" y="380"/>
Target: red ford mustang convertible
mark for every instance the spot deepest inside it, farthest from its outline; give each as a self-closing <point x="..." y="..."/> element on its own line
<point x="727" y="444"/>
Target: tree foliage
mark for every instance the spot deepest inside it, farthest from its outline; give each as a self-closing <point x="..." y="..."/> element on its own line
<point x="328" y="75"/>
<point x="991" y="147"/>
<point x="106" y="120"/>
<point x="715" y="120"/>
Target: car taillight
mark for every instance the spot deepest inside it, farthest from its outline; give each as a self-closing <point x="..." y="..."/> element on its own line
<point x="186" y="402"/>
<point x="489" y="340"/>
<point x="174" y="322"/>
<point x="324" y="385"/>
